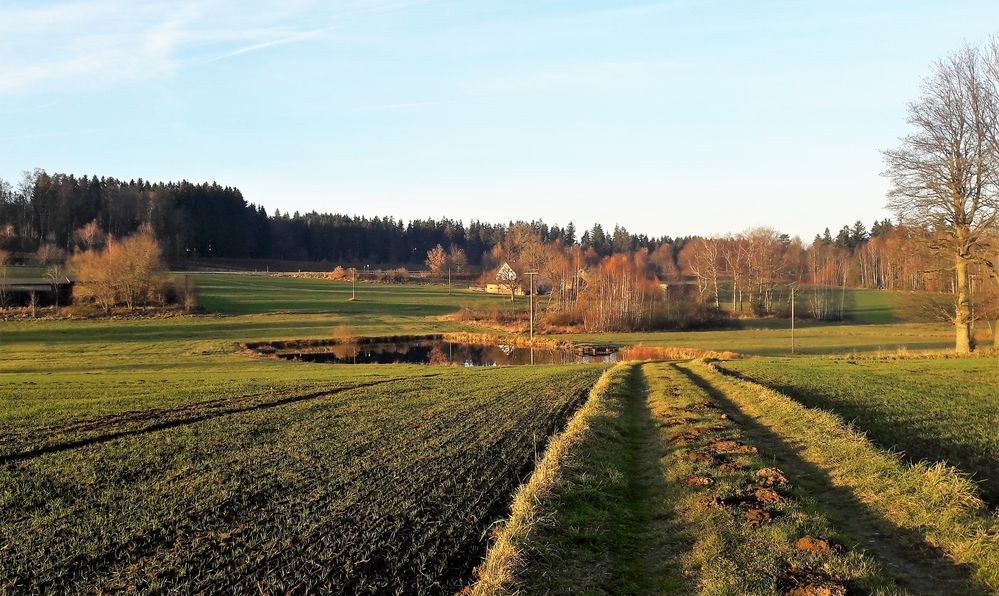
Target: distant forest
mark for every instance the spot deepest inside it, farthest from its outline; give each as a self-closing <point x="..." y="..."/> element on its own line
<point x="602" y="280"/>
<point x="208" y="220"/>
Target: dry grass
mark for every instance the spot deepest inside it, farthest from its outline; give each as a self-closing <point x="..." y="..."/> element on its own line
<point x="903" y="353"/>
<point x="641" y="352"/>
<point x="512" y="340"/>
<point x="497" y="573"/>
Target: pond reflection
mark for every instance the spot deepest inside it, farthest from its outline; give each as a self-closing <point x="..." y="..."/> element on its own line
<point x="440" y="352"/>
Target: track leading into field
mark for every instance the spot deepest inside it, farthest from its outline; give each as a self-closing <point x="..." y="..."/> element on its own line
<point x="694" y="494"/>
<point x="911" y="565"/>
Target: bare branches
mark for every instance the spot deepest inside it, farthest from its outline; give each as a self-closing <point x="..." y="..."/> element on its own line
<point x="945" y="174"/>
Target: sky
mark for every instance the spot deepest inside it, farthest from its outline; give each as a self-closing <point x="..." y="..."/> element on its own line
<point x="669" y="118"/>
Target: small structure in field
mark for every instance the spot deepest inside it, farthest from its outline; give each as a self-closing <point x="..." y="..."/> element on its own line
<point x="35" y="291"/>
<point x="506" y="282"/>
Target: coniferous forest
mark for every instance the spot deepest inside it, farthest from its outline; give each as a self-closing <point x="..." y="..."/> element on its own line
<point x="197" y="220"/>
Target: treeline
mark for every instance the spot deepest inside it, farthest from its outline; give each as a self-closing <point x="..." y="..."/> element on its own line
<point x="888" y="256"/>
<point x="704" y="280"/>
<point x="753" y="272"/>
<point x="192" y="220"/>
<point x="51" y="217"/>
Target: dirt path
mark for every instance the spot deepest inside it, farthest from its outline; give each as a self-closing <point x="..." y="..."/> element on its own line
<point x="752" y="532"/>
<point x="660" y="536"/>
<point x="676" y="489"/>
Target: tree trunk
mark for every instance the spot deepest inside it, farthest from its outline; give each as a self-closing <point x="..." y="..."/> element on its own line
<point x="964" y="342"/>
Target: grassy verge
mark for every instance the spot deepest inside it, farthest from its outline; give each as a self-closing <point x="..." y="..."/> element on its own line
<point x="505" y="558"/>
<point x="751" y="530"/>
<point x="581" y="522"/>
<point x="931" y="505"/>
<point x="934" y="409"/>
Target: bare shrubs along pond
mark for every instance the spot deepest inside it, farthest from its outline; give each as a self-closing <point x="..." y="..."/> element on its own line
<point x="439" y="350"/>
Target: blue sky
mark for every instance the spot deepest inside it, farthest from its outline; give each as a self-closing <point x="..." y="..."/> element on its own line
<point x="667" y="117"/>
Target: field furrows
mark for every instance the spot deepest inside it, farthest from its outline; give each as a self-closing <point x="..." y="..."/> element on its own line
<point x="30" y="442"/>
<point x="386" y="486"/>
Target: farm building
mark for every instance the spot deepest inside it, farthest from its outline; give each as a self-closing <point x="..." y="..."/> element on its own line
<point x="506" y="281"/>
<point x="40" y="291"/>
<point x="502" y="289"/>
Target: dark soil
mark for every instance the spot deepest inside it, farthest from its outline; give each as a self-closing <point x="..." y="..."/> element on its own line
<point x="818" y="546"/>
<point x="799" y="582"/>
<point x="698" y="480"/>
<point x="773" y="478"/>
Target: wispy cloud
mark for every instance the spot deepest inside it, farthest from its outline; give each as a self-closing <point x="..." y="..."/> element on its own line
<point x="97" y="40"/>
<point x="283" y="40"/>
<point x="102" y="42"/>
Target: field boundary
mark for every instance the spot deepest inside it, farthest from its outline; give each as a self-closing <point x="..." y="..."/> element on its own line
<point x="497" y="572"/>
<point x="643" y="352"/>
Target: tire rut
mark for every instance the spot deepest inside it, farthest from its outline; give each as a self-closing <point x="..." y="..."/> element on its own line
<point x="181" y="420"/>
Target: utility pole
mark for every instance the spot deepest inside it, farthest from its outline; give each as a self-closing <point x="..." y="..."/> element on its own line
<point x="530" y="275"/>
<point x="792" y="319"/>
<point x="448" y="281"/>
<point x="353" y="284"/>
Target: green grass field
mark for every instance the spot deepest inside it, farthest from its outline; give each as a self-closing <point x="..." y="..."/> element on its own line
<point x="874" y="323"/>
<point x="372" y="488"/>
<point x="942" y="409"/>
<point x="875" y="307"/>
<point x="236" y="294"/>
<point x="153" y="454"/>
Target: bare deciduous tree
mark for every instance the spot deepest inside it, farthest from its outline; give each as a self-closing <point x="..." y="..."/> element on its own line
<point x="944" y="174"/>
<point x="129" y="272"/>
<point x="49" y="254"/>
<point x="457" y="259"/>
<point x="89" y="236"/>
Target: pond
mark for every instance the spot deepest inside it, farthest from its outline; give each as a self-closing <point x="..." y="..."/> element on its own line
<point x="437" y="351"/>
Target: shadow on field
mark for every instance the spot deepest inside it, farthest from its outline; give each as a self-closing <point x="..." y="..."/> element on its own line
<point x="662" y="537"/>
<point x="905" y="554"/>
<point x="928" y="445"/>
<point x="91" y="432"/>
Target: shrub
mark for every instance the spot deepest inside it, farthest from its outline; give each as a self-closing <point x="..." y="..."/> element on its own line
<point x="129" y="272"/>
<point x="49" y="254"/>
